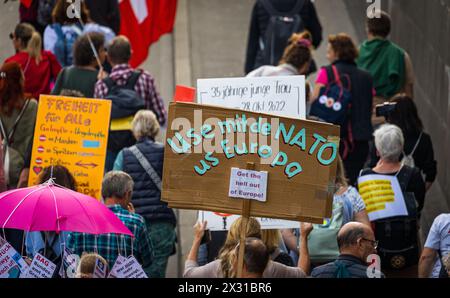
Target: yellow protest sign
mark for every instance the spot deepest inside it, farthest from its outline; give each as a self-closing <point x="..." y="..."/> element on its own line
<point x="72" y="132"/>
<point x="382" y="195"/>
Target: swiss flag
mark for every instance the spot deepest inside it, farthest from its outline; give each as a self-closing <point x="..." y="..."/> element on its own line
<point x="26" y="3"/>
<point x="143" y="22"/>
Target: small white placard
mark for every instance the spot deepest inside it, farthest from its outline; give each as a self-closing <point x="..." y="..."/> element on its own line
<point x="128" y="268"/>
<point x="119" y="261"/>
<point x="100" y="269"/>
<point x="41" y="267"/>
<point x="283" y="95"/>
<point x="248" y="184"/>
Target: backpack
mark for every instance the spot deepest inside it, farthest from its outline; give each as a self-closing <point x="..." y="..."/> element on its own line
<point x="279" y="29"/>
<point x="334" y="102"/>
<point x="44" y="12"/>
<point x="408" y="160"/>
<point x="398" y="236"/>
<point x="125" y="102"/>
<point x="13" y="161"/>
<point x="322" y="241"/>
<point x="64" y="43"/>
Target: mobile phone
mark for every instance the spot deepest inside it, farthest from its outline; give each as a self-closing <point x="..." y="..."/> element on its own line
<point x="206" y="237"/>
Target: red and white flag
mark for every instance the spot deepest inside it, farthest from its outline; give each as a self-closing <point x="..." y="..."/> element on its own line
<point x="143" y="22"/>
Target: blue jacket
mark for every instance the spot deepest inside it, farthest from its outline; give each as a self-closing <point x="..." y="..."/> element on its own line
<point x="146" y="196"/>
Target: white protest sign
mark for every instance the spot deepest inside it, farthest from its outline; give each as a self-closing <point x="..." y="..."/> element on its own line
<point x="129" y="268"/>
<point x="119" y="261"/>
<point x="15" y="256"/>
<point x="41" y="267"/>
<point x="100" y="269"/>
<point x="8" y="267"/>
<point x="283" y="96"/>
<point x="222" y="222"/>
<point x="248" y="184"/>
<point x="70" y="263"/>
<point x="382" y="195"/>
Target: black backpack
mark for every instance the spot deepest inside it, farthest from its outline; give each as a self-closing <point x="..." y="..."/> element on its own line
<point x="398" y="236"/>
<point x="279" y="29"/>
<point x="125" y="102"/>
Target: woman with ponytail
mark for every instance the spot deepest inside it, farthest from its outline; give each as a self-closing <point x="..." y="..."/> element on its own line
<point x="39" y="67"/>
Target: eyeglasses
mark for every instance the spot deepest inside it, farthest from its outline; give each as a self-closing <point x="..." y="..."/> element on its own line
<point x="373" y="242"/>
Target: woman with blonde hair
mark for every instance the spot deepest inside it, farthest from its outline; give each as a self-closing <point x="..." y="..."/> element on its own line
<point x="40" y="67"/>
<point x="272" y="240"/>
<point x="225" y="265"/>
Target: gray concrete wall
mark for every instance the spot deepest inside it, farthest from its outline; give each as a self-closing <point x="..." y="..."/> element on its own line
<point x="422" y="28"/>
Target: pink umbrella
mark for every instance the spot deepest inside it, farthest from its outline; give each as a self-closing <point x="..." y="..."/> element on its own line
<point x="50" y="207"/>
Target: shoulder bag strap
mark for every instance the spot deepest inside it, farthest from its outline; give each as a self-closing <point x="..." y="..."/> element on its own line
<point x="8" y="136"/>
<point x="147" y="166"/>
<point x="417" y="144"/>
<point x="19" y="117"/>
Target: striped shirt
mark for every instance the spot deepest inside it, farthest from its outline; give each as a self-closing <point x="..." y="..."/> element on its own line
<point x="145" y="87"/>
<point x="110" y="246"/>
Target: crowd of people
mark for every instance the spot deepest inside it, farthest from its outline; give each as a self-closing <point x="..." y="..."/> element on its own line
<point x="381" y="133"/>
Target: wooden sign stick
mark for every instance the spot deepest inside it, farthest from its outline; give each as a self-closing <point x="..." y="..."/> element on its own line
<point x="245" y="216"/>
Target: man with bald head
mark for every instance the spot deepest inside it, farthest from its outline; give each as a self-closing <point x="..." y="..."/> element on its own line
<point x="356" y="242"/>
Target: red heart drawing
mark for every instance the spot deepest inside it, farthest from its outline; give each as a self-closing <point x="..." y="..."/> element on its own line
<point x="37" y="170"/>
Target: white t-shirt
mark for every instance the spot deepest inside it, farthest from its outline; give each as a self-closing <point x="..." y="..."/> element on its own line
<point x="439" y="239"/>
<point x="273" y="71"/>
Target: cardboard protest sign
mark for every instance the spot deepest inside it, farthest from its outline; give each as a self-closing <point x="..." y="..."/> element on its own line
<point x="205" y="142"/>
<point x="41" y="267"/>
<point x="72" y="132"/>
<point x="223" y="221"/>
<point x="382" y="195"/>
<point x="283" y="95"/>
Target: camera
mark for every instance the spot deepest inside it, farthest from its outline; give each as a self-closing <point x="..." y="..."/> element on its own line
<point x="385" y="109"/>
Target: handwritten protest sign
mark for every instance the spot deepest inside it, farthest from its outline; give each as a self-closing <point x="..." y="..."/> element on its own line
<point x="41" y="267"/>
<point x="284" y="95"/>
<point x="382" y="195"/>
<point x="205" y="142"/>
<point x="223" y="221"/>
<point x="72" y="132"/>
